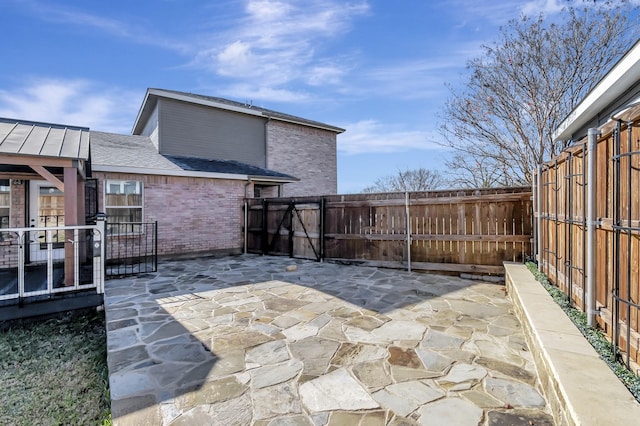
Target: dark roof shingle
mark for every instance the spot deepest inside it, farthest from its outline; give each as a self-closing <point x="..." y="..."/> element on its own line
<point x="138" y="152"/>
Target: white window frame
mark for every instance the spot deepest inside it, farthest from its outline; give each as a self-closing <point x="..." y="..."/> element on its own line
<point x="135" y="229"/>
<point x="8" y="206"/>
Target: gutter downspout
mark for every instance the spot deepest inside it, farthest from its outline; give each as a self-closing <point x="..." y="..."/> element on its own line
<point x="246" y="215"/>
<point x="592" y="145"/>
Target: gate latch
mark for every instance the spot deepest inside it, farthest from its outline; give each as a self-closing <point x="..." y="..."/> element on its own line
<point x="97" y="248"/>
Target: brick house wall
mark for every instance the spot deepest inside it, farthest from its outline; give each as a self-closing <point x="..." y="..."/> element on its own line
<point x="18" y="206"/>
<point x="307" y="153"/>
<point x="194" y="215"/>
<point x="9" y="244"/>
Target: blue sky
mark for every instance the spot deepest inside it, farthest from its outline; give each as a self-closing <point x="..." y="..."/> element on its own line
<point x="377" y="68"/>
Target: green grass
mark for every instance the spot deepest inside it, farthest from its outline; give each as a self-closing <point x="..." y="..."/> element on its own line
<point x="54" y="372"/>
<point x="598" y="340"/>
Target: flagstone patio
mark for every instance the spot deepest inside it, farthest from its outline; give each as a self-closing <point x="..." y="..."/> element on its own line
<point x="250" y="340"/>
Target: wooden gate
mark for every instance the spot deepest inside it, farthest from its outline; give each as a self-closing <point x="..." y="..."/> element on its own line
<point x="287" y="227"/>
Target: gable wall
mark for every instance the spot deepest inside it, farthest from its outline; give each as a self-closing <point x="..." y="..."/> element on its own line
<point x="151" y="127"/>
<point x="304" y="152"/>
<point x="190" y="130"/>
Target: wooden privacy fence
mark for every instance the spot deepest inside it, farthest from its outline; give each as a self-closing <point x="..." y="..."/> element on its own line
<point x="562" y="193"/>
<point x="471" y="231"/>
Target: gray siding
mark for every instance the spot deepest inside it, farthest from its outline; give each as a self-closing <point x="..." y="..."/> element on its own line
<point x="198" y="131"/>
<point x="151" y="127"/>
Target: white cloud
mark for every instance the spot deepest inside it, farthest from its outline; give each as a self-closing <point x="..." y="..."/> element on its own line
<point x="237" y="58"/>
<point x="71" y="102"/>
<point x="267" y="10"/>
<point x="371" y="136"/>
<point x="130" y="31"/>
<point x="546" y="7"/>
<point x="475" y="14"/>
<point x="325" y="74"/>
<point x="275" y="43"/>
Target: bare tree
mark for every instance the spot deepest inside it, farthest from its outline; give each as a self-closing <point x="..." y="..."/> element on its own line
<point x="522" y="87"/>
<point x="408" y="180"/>
<point x="470" y="172"/>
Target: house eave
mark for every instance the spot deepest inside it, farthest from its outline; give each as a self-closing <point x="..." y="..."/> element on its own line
<point x="186" y="173"/>
<point x="152" y="95"/>
<point x="622" y="76"/>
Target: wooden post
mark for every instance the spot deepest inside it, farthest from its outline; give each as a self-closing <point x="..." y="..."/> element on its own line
<point x="408" y="229"/>
<point x="71" y="211"/>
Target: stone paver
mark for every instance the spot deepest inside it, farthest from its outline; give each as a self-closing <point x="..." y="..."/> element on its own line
<point x="247" y="340"/>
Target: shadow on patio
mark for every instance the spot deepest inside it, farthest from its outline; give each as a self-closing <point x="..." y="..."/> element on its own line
<point x="241" y="340"/>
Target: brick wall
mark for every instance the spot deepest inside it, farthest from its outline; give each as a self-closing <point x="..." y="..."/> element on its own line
<point x="303" y="152"/>
<point x="18" y="205"/>
<point x="9" y="244"/>
<point x="193" y="214"/>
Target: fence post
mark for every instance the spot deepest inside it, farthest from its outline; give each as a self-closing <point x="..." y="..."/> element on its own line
<point x="322" y="224"/>
<point x="538" y="195"/>
<point x="100" y="252"/>
<point x="534" y="216"/>
<point x="592" y="146"/>
<point x="23" y="247"/>
<point x="408" y="223"/>
<point x="246" y="223"/>
<point x="265" y="231"/>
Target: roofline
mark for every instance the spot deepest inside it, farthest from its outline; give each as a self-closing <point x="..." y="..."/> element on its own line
<point x="188" y="173"/>
<point x="142" y="105"/>
<point x="624" y="73"/>
<point x="205" y="102"/>
<point x="42" y="123"/>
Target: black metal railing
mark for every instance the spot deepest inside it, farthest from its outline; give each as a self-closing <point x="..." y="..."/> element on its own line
<point x="131" y="248"/>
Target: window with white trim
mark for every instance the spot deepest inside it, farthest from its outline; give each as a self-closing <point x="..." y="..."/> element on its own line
<point x="123" y="204"/>
<point x="5" y="202"/>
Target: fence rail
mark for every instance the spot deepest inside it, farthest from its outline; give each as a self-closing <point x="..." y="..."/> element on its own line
<point x="131" y="248"/>
<point x="562" y="215"/>
<point x="38" y="262"/>
<point x="465" y="231"/>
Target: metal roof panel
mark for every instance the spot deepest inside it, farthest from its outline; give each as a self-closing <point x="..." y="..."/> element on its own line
<point x="51" y="147"/>
<point x="14" y="140"/>
<point x="34" y="142"/>
<point x="30" y="138"/>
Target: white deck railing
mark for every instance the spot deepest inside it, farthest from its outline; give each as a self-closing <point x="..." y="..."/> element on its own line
<point x="60" y="260"/>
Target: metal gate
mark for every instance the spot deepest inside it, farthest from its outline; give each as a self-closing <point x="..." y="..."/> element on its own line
<point x="131" y="248"/>
<point x="289" y="227"/>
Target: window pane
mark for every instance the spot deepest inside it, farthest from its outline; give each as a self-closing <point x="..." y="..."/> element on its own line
<point x="4" y="199"/>
<point x="124" y="187"/>
<point x="4" y="217"/>
<point x="4" y="186"/>
<point x="124" y="215"/>
<point x="123" y="200"/>
<point x="131" y="187"/>
<point x="123" y="194"/>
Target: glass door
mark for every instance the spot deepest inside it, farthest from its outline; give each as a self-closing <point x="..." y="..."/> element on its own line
<point x="46" y="209"/>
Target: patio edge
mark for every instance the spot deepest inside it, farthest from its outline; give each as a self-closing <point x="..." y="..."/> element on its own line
<point x="579" y="386"/>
